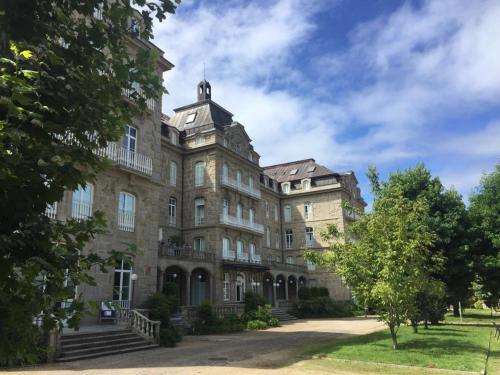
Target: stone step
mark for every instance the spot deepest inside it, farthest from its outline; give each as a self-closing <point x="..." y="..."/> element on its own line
<point x="282" y="316"/>
<point x="96" y="343"/>
<point x="147" y="346"/>
<point x="104" y="347"/>
<point x="97" y="336"/>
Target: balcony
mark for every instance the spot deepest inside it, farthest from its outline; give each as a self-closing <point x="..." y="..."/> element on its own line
<point x="287" y="266"/>
<point x="241" y="223"/>
<point x="51" y="211"/>
<point x="351" y="215"/>
<point x="136" y="88"/>
<point x="126" y="220"/>
<point x="240" y="187"/>
<point x="127" y="158"/>
<point x="232" y="259"/>
<point x="81" y="210"/>
<point x="166" y="250"/>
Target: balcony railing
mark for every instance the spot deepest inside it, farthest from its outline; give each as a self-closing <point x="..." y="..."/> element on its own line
<point x="81" y="210"/>
<point x="287" y="266"/>
<point x="240" y="187"/>
<point x="127" y="158"/>
<point x="241" y="223"/>
<point x="244" y="257"/>
<point x="150" y="102"/>
<point x="126" y="220"/>
<point x="228" y="254"/>
<point x="51" y="211"/>
<point x="184" y="252"/>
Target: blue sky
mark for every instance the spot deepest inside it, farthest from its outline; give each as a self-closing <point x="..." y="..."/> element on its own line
<point x="349" y="82"/>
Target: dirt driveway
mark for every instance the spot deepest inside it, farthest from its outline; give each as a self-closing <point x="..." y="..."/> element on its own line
<point x="270" y="351"/>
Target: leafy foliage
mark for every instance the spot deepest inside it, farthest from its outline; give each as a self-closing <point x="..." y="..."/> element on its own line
<point x="323" y="307"/>
<point x="207" y="323"/>
<point x="485" y="217"/>
<point x="62" y="73"/>
<point x="253" y="301"/>
<point x="160" y="308"/>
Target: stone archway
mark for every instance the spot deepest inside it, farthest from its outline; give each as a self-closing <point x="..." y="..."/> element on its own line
<point x="280" y="288"/>
<point x="200" y="286"/>
<point x="268" y="289"/>
<point x="292" y="287"/>
<point x="176" y="278"/>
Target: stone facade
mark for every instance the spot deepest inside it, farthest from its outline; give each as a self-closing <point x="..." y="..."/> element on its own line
<point x="206" y="216"/>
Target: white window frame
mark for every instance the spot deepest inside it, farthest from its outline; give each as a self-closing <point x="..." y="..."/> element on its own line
<point x="277" y="240"/>
<point x="126" y="211"/>
<point x="285" y="187"/>
<point x="173" y="173"/>
<point x="225" y="170"/>
<point x="276" y="213"/>
<point x="226" y="290"/>
<point x="130" y="140"/>
<point x="225" y="207"/>
<point x="81" y="208"/>
<point x="238" y="177"/>
<point x="266" y="204"/>
<point x="251" y="215"/>
<point x="289" y="238"/>
<point x="306" y="184"/>
<point x="268" y="237"/>
<point x="172" y="210"/>
<point x="199" y="173"/>
<point x="309" y="232"/>
<point x="287" y="213"/>
<point x="199" y="219"/>
<point x="199" y="244"/>
<point x="308" y="210"/>
<point x="173" y="137"/>
<point x="123" y="273"/>
<point x="239" y="211"/>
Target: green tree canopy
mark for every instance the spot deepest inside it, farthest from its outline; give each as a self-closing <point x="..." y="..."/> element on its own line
<point x="63" y="67"/>
<point x="485" y="217"/>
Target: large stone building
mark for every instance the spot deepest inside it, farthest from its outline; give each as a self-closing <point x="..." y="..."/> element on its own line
<point x="189" y="191"/>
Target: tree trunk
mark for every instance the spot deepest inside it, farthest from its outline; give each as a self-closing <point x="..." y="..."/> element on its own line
<point x="414" y="324"/>
<point x="455" y="309"/>
<point x="426" y="324"/>
<point x="393" y="336"/>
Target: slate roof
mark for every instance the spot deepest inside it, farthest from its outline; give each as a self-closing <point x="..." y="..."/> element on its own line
<point x="307" y="168"/>
<point x="208" y="115"/>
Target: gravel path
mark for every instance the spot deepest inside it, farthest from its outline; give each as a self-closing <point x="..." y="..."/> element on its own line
<point x="270" y="351"/>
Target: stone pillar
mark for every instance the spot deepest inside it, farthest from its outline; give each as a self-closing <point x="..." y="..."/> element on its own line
<point x="212" y="287"/>
<point x="188" y="288"/>
<point x="286" y="289"/>
<point x="275" y="295"/>
<point x="161" y="280"/>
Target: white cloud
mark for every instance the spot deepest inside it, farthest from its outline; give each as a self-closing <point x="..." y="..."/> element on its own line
<point x="485" y="142"/>
<point x="402" y="76"/>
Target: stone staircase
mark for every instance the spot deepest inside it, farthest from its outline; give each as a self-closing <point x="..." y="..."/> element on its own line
<point x="282" y="315"/>
<point x="96" y="344"/>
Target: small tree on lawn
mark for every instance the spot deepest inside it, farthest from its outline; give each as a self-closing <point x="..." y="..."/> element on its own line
<point x="383" y="257"/>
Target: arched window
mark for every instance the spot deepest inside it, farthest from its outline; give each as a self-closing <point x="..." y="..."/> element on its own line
<point x="285" y="187"/>
<point x="172" y="210"/>
<point x="240" y="288"/>
<point x="82" y="202"/>
<point x="199" y="173"/>
<point x="306" y="185"/>
<point x="126" y="212"/>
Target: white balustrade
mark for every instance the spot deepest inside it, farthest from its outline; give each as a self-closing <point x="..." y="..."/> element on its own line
<point x="241" y="223"/>
<point x="145" y="327"/>
<point x="255" y="258"/>
<point x="150" y="102"/>
<point x="228" y="254"/>
<point x="51" y="211"/>
<point x="81" y="210"/>
<point x="243" y="257"/>
<point x="126" y="220"/>
<point x="127" y="158"/>
<point x="239" y="186"/>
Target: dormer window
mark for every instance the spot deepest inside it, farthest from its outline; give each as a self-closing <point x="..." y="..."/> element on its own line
<point x="173" y="137"/>
<point x="285" y="187"/>
<point x="250" y="156"/>
<point x="293" y="172"/>
<point x="190" y="118"/>
<point x="311" y="169"/>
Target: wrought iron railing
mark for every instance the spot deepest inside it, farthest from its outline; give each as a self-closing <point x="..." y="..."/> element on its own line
<point x="184" y="252"/>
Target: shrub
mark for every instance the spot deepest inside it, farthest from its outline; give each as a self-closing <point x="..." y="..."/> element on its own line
<point x="273" y="322"/>
<point x="160" y="307"/>
<point x="304" y="293"/>
<point x="253" y="301"/>
<point x="257" y="324"/>
<point x="320" y="291"/>
<point x="171" y="291"/>
<point x="263" y="313"/>
<point x="323" y="307"/>
<point x="478" y="305"/>
<point x="207" y="323"/>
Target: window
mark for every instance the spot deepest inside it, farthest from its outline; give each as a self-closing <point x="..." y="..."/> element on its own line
<point x="82" y="202"/>
<point x="276" y="213"/>
<point x="199" y="173"/>
<point x="251" y="215"/>
<point x="250" y="156"/>
<point x="311" y="169"/>
<point x="289" y="238"/>
<point x="121" y="284"/>
<point x="269" y="258"/>
<point x="172" y="211"/>
<point x="250" y="182"/>
<point x="225" y="171"/>
<point x="306" y="185"/>
<point x="251" y="250"/>
<point x="226" y="143"/>
<point x="51" y="210"/>
<point x="240" y="288"/>
<point x="309" y="236"/>
<point x="308" y="212"/>
<point x="239" y="248"/>
<point x="278" y="259"/>
<point x="199" y="244"/>
<point x="200" y="140"/>
<point x="226" y="249"/>
<point x="238" y="177"/>
<point x="268" y="237"/>
<point x="225" y="207"/>
<point x="239" y="211"/>
<point x="266" y="203"/>
<point x="225" y="287"/>
<point x="287" y="213"/>
<point x="310" y="265"/>
<point x="126" y="212"/>
<point x="285" y="187"/>
<point x="190" y="118"/>
<point x="173" y="173"/>
<point x="173" y="137"/>
<point x="199" y="210"/>
<point x="277" y="240"/>
<point x="290" y="260"/>
<point x="130" y="139"/>
<point x="293" y="172"/>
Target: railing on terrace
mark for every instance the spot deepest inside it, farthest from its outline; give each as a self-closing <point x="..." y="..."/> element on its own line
<point x="235" y="256"/>
<point x="189" y="313"/>
<point x="127" y="158"/>
<point x="150" y="102"/>
<point x="241" y="223"/>
<point x="81" y="210"/>
<point x="126" y="220"/>
<point x="51" y="211"/>
<point x="239" y="186"/>
<point x="184" y="252"/>
<point x="287" y="266"/>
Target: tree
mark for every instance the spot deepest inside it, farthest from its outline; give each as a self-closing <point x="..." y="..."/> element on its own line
<point x="383" y="257"/>
<point x="485" y="218"/>
<point x="64" y="65"/>
<point x="448" y="219"/>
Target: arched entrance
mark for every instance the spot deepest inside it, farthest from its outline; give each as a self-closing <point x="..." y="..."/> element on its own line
<point x="292" y="287"/>
<point x="200" y="286"/>
<point x="302" y="281"/>
<point x="240" y="288"/>
<point x="280" y="287"/>
<point x="175" y="282"/>
<point x="268" y="288"/>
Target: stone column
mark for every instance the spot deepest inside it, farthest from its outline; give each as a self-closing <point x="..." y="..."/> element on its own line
<point x="188" y="288"/>
<point x="275" y="295"/>
<point x="286" y="289"/>
<point x="212" y="287"/>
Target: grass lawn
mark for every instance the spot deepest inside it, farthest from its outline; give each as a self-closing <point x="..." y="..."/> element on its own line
<point x="444" y="347"/>
<point x="473" y="316"/>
